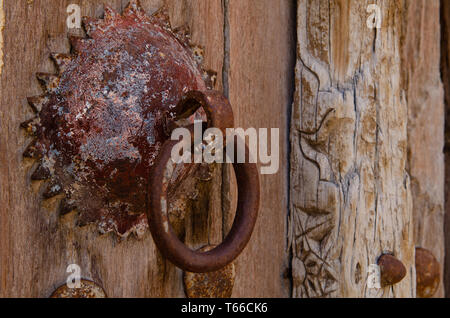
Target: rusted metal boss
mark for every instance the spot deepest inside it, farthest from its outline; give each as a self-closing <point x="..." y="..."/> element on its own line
<point x="392" y="270"/>
<point x="102" y="127"/>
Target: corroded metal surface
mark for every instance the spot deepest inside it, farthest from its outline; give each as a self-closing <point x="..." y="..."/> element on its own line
<point x="428" y="275"/>
<point x="218" y="284"/>
<point x="219" y="113"/>
<point x="88" y="289"/>
<point x="102" y="127"/>
<point x="102" y="120"/>
<point x="391" y="269"/>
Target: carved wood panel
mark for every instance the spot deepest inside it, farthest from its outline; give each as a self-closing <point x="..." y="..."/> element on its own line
<point x="350" y="190"/>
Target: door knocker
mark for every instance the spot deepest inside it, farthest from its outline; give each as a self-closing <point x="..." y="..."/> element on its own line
<point x="101" y="133"/>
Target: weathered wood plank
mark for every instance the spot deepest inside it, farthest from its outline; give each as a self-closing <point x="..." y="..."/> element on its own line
<point x="425" y="125"/>
<point x="36" y="244"/>
<point x="35" y="238"/>
<point x="350" y="192"/>
<point x="445" y="72"/>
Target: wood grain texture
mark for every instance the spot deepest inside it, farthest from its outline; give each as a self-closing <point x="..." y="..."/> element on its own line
<point x="254" y="48"/>
<point x="261" y="42"/>
<point x="425" y="125"/>
<point x="2" y="26"/>
<point x="350" y="191"/>
<point x="445" y="73"/>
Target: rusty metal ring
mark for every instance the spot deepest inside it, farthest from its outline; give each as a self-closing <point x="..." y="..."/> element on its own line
<point x="216" y="106"/>
<point x="218" y="111"/>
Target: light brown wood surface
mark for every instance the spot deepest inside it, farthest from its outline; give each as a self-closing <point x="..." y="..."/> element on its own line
<point x="36" y="245"/>
<point x="350" y="190"/>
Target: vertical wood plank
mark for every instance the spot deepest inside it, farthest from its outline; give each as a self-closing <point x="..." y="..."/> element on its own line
<point x="261" y="46"/>
<point x="425" y="126"/>
<point x="36" y="244"/>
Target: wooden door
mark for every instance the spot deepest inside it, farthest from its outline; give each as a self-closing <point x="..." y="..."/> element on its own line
<point x="359" y="106"/>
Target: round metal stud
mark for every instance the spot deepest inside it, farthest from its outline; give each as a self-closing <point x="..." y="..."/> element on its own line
<point x="217" y="284"/>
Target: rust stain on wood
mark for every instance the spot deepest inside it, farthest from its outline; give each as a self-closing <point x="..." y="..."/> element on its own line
<point x="101" y="123"/>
